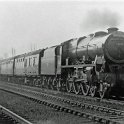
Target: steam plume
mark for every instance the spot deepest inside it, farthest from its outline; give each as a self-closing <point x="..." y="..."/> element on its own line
<point x="96" y="19"/>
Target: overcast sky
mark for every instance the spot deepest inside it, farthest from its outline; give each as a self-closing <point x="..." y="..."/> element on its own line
<point x="43" y="24"/>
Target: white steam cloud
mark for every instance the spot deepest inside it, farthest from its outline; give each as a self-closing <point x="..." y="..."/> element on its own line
<point x="96" y="19"/>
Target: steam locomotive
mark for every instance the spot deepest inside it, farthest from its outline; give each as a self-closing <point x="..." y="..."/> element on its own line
<point x="90" y="65"/>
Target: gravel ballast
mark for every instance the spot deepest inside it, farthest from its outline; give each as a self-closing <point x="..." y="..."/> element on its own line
<point x="38" y="113"/>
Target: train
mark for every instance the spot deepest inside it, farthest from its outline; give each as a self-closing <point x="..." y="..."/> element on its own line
<point x="91" y="65"/>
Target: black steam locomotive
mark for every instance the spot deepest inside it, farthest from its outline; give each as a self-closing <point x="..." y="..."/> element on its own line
<point x="90" y="65"/>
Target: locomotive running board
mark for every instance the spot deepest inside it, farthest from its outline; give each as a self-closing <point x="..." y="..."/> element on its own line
<point x="78" y="66"/>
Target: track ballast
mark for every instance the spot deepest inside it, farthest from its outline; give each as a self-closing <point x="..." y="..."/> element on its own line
<point x="9" y="117"/>
<point x="63" y="103"/>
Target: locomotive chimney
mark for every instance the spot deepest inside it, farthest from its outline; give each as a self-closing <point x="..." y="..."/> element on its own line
<point x="110" y="30"/>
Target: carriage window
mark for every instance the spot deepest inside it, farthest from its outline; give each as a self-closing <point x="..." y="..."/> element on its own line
<point x="30" y="61"/>
<point x="25" y="64"/>
<point x="34" y="61"/>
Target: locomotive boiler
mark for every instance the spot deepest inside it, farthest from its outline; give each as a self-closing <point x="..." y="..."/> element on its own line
<point x="94" y="64"/>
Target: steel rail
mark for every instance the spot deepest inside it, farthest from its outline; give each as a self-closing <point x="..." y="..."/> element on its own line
<point x="14" y="116"/>
<point x="72" y="107"/>
<point x="107" y="101"/>
<point x="78" y="103"/>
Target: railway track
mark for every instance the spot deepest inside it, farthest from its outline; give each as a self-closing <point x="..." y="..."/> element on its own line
<point x="95" y="100"/>
<point x="94" y="112"/>
<point x="8" y="117"/>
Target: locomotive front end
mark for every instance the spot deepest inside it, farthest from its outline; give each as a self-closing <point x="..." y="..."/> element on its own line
<point x="114" y="48"/>
<point x="114" y="54"/>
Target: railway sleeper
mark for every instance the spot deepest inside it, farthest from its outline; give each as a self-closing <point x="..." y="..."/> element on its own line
<point x="75" y="111"/>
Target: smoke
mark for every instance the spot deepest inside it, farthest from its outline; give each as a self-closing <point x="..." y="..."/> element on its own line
<point x="96" y="19"/>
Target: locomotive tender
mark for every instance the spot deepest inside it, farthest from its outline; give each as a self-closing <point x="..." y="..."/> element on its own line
<point x="91" y="65"/>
